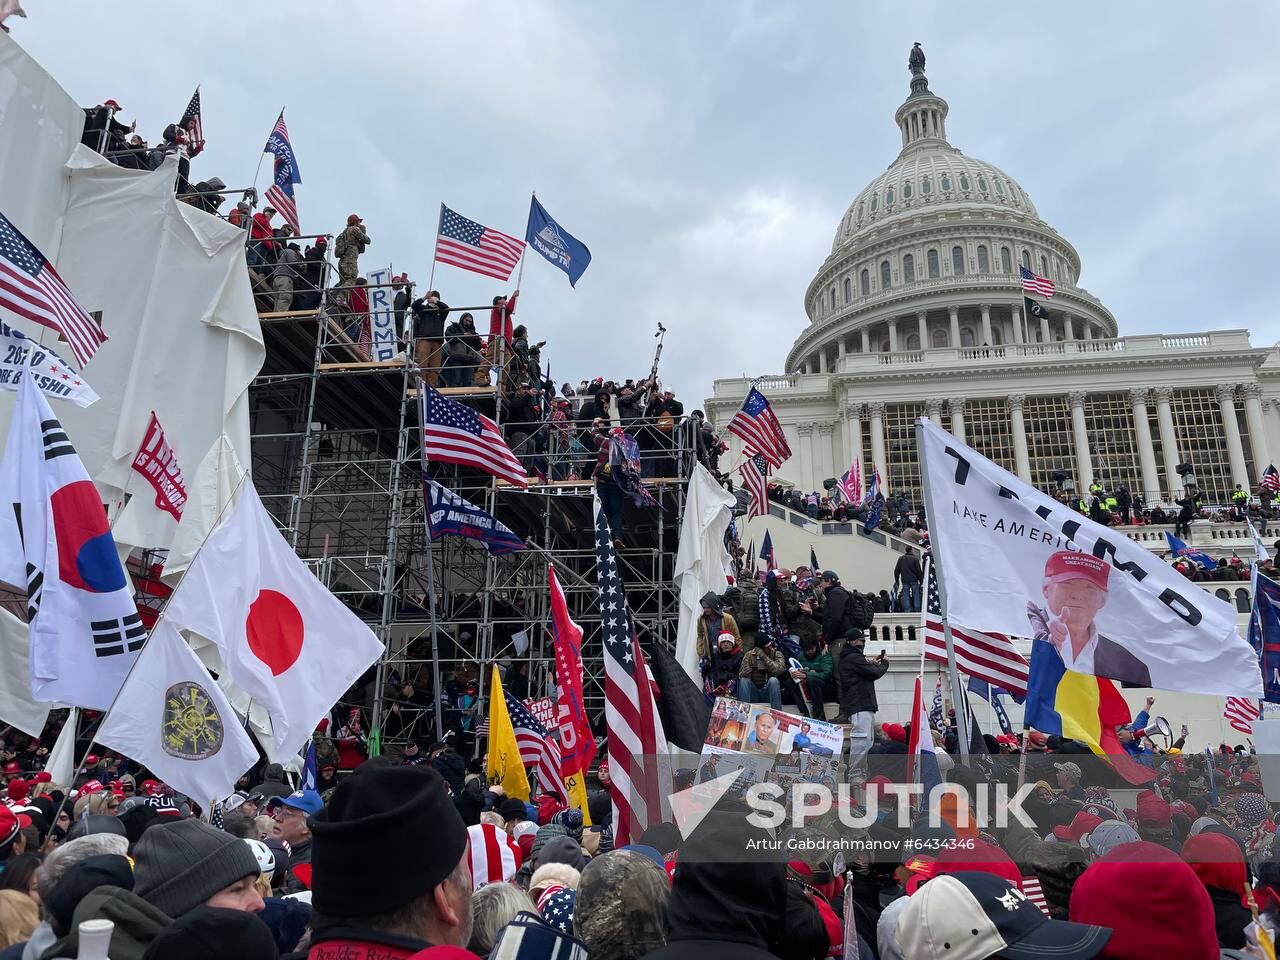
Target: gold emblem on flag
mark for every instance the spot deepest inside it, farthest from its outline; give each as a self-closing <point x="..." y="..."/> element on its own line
<point x="192" y="727"/>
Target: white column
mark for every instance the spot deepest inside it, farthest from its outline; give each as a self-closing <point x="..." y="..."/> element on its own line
<point x="853" y="417"/>
<point x="805" y="430"/>
<point x="1146" y="449"/>
<point x="1017" y="324"/>
<point x="1088" y="330"/>
<point x="876" y="410"/>
<point x="1044" y="328"/>
<point x="923" y="319"/>
<point x="1231" y="427"/>
<point x="842" y="349"/>
<point x="1021" y="459"/>
<point x="822" y="361"/>
<point x="934" y="409"/>
<point x="1068" y="327"/>
<point x="986" y="322"/>
<point x="1257" y="427"/>
<point x="954" y="314"/>
<point x="804" y="366"/>
<point x="1080" y="433"/>
<point x="893" y="336"/>
<point x="866" y="340"/>
<point x="1168" y="441"/>
<point x="957" y="417"/>
<point x="825" y="459"/>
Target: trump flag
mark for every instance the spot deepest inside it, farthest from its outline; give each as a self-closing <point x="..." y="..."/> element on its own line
<point x="1016" y="561"/>
<point x="556" y="245"/>
<point x="55" y="542"/>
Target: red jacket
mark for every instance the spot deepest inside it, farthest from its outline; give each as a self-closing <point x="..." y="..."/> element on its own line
<point x="261" y="230"/>
<point x="500" y="326"/>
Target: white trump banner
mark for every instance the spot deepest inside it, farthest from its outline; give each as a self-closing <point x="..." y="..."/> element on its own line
<point x="1016" y="561"/>
<point x="382" y="317"/>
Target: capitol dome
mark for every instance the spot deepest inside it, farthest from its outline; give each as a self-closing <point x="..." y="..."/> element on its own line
<point x="927" y="257"/>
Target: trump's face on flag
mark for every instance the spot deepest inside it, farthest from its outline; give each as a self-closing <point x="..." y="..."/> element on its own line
<point x="1075" y="589"/>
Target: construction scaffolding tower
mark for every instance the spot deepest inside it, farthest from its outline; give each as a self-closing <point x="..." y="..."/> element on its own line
<point x="337" y="461"/>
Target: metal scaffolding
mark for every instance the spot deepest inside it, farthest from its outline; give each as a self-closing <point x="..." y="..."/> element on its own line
<point x="337" y="461"/>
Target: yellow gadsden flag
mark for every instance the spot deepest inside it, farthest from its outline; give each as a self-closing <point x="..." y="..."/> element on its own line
<point x="503" y="766"/>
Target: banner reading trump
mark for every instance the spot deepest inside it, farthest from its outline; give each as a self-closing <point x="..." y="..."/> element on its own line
<point x="1014" y="560"/>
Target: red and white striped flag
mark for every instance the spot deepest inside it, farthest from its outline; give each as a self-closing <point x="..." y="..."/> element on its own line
<point x="639" y="762"/>
<point x="1270" y="479"/>
<point x="987" y="656"/>
<point x="473" y="246"/>
<point x="759" y="428"/>
<point x="193" y="124"/>
<point x="31" y="288"/>
<point x="1240" y="712"/>
<point x="1035" y="284"/>
<point x="454" y="433"/>
<point x="285" y="174"/>
<point x="755" y="477"/>
<point x="494" y="856"/>
<point x="156" y="462"/>
<point x="537" y="749"/>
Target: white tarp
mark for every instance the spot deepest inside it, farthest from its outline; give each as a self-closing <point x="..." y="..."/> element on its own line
<point x="1013" y="560"/>
<point x="702" y="560"/>
<point x="171" y="284"/>
<point x="16" y="705"/>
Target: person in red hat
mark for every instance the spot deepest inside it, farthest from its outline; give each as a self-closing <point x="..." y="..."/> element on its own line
<point x="1075" y="591"/>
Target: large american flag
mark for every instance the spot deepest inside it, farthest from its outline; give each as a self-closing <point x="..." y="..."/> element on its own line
<point x="755" y="477"/>
<point x="192" y="123"/>
<point x="31" y="288"/>
<point x="759" y="429"/>
<point x="1270" y="478"/>
<point x="987" y="656"/>
<point x="280" y="193"/>
<point x="454" y="433"/>
<point x="639" y="765"/>
<point x="475" y="247"/>
<point x="1240" y="712"/>
<point x="537" y="748"/>
<point x="850" y="483"/>
<point x="1033" y="283"/>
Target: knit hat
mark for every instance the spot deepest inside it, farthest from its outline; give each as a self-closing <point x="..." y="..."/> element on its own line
<point x="180" y="865"/>
<point x="561" y="850"/>
<point x="495" y="857"/>
<point x="387" y="836"/>
<point x="571" y="820"/>
<point x="212" y="933"/>
<point x="529" y="937"/>
<point x="1174" y="919"/>
<point x="104" y="870"/>
<point x="545" y="833"/>
<point x="512" y="808"/>
<point x="621" y="907"/>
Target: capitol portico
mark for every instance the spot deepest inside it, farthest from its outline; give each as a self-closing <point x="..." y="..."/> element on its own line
<point x="918" y="311"/>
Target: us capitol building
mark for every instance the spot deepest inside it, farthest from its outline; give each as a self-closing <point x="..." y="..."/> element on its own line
<point x="918" y="311"/>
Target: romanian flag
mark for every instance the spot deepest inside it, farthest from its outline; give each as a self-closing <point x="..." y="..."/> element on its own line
<point x="922" y="754"/>
<point x="1077" y="706"/>
<point x="503" y="764"/>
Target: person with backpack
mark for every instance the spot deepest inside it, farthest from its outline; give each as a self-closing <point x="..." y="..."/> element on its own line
<point x="858" y="677"/>
<point x="348" y="247"/>
<point x="844" y="613"/>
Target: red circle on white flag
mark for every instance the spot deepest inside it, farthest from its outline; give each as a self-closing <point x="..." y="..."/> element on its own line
<point x="274" y="628"/>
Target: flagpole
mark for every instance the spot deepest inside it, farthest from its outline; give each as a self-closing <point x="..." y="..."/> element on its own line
<point x="931" y="509"/>
<point x="431" y="576"/>
<point x="261" y="156"/>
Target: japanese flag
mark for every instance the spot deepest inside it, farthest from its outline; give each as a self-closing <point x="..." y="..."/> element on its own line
<point x="172" y="718"/>
<point x="285" y="640"/>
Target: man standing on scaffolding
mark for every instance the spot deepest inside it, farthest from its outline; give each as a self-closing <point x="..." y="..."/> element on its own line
<point x="498" y="347"/>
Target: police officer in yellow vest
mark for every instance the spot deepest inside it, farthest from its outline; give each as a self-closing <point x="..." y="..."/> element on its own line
<point x="1239" y="500"/>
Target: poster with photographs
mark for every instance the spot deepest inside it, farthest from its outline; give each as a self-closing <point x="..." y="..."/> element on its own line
<point x="757" y="740"/>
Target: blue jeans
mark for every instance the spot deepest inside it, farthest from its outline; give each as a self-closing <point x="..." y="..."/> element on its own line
<point x="748" y="692"/>
<point x="911" y="597"/>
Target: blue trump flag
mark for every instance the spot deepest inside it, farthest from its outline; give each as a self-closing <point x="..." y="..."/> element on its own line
<point x="310" y="772"/>
<point x="1181" y="551"/>
<point x="449" y="514"/>
<point x="1264" y="634"/>
<point x="557" y="245"/>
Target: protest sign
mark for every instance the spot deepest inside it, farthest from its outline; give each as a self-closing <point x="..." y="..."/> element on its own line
<point x="20" y="356"/>
<point x="382" y="317"/>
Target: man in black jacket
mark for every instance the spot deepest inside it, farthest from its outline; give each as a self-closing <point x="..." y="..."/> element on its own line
<point x="908" y="573"/>
<point x="429" y="314"/>
<point x="858" y="677"/>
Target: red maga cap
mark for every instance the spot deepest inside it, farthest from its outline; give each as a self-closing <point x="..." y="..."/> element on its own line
<point x="1071" y="565"/>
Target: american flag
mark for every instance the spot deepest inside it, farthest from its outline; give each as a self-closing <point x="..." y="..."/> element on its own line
<point x="192" y="123"/>
<point x="759" y="429"/>
<point x="1240" y="712"/>
<point x="31" y="288"/>
<point x="475" y="247"/>
<point x="1270" y="478"/>
<point x="1035" y="893"/>
<point x="755" y="477"/>
<point x="1033" y="283"/>
<point x="850" y="484"/>
<point x="987" y="656"/>
<point x="537" y="748"/>
<point x="453" y="433"/>
<point x="639" y="764"/>
<point x="280" y="193"/>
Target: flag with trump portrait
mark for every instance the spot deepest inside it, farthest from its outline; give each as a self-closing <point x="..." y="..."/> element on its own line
<point x="1014" y="560"/>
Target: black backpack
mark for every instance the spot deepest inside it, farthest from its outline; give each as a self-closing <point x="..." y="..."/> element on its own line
<point x="858" y="614"/>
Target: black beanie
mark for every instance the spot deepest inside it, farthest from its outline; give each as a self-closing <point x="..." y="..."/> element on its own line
<point x="104" y="870"/>
<point x="388" y="836"/>
<point x="212" y="933"/>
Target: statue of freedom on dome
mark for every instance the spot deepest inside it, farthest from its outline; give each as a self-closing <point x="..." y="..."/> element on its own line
<point x="916" y="60"/>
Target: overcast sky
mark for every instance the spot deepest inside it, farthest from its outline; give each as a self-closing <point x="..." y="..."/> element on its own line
<point x="705" y="152"/>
